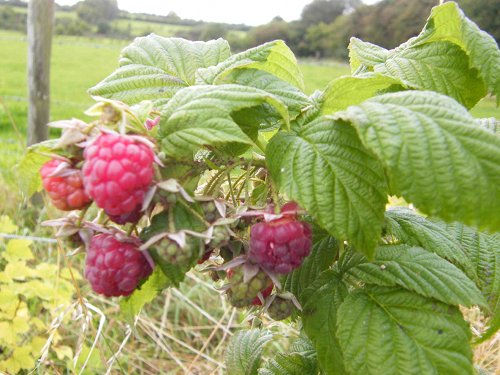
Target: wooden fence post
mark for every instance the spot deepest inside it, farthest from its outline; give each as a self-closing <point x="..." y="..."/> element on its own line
<point x="40" y="25"/>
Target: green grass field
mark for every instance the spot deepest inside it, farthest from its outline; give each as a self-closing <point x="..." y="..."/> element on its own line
<point x="79" y="63"/>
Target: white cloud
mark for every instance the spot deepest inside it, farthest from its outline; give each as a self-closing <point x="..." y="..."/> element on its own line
<point x="250" y="12"/>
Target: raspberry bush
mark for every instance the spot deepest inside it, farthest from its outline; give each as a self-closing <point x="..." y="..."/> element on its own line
<point x="199" y="158"/>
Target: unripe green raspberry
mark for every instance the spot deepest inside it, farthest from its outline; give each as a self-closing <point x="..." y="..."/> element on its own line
<point x="173" y="253"/>
<point x="280" y="308"/>
<point x="220" y="237"/>
<point x="242" y="294"/>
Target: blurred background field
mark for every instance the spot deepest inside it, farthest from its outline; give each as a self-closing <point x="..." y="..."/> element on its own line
<point x="186" y="329"/>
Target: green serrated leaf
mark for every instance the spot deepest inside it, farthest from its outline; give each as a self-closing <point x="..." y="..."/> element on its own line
<point x="393" y="331"/>
<point x="327" y="170"/>
<point x="345" y="91"/>
<point x="289" y="364"/>
<point x="132" y="305"/>
<point x="290" y="95"/>
<point x="273" y="57"/>
<point x="435" y="155"/>
<point x="323" y="252"/>
<point x="484" y="252"/>
<point x="418" y="270"/>
<point x="448" y="23"/>
<point x="243" y="354"/>
<point x="491" y="124"/>
<point x="29" y="169"/>
<point x="200" y="116"/>
<point x="155" y="68"/>
<point x="440" y="66"/>
<point x="406" y="226"/>
<point x="364" y="53"/>
<point x="320" y="302"/>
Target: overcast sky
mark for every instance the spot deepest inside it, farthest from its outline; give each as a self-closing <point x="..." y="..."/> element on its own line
<point x="250" y="12"/>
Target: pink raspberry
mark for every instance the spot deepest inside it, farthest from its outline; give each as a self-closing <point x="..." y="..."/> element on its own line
<point x="65" y="190"/>
<point x="280" y="245"/>
<point x="114" y="268"/>
<point x="118" y="171"/>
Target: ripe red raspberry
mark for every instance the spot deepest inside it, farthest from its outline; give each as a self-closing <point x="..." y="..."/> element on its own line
<point x="118" y="171"/>
<point x="280" y="245"/>
<point x="114" y="268"/>
<point x="65" y="190"/>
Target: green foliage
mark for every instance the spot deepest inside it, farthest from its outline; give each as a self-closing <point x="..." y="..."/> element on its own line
<point x="418" y="270"/>
<point x="97" y="12"/>
<point x="214" y="125"/>
<point x="320" y="303"/>
<point x="380" y="291"/>
<point x="448" y="23"/>
<point x="406" y="226"/>
<point x="393" y="331"/>
<point x="27" y="290"/>
<point x="273" y="57"/>
<point x="324" y="165"/>
<point x="243" y="354"/>
<point x="158" y="76"/>
<point x="402" y="129"/>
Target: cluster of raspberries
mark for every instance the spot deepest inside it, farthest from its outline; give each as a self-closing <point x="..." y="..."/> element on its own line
<point x="116" y="174"/>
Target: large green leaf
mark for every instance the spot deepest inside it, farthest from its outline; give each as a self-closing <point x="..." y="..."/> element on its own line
<point x="155" y="68"/>
<point x="484" y="252"/>
<point x="448" y="23"/>
<point x="328" y="171"/>
<point x="290" y="95"/>
<point x="440" y="66"/>
<point x="386" y="330"/>
<point x="406" y="226"/>
<point x="243" y="354"/>
<point x="435" y="155"/>
<point x="364" y="53"/>
<point x="491" y="124"/>
<point x="289" y="364"/>
<point x="345" y="91"/>
<point x="272" y="57"/>
<point x="323" y="252"/>
<point x="418" y="270"/>
<point x="320" y="303"/>
<point x="200" y="116"/>
<point x="132" y="305"/>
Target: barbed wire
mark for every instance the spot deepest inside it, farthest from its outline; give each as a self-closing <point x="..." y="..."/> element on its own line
<point x="31" y="238"/>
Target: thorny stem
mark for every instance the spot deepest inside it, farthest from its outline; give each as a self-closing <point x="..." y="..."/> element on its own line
<point x="81" y="216"/>
<point x="274" y="193"/>
<point x="131" y="229"/>
<point x="171" y="221"/>
<point x="231" y="191"/>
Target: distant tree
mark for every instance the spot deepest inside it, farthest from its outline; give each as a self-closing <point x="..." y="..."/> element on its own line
<point x="390" y="22"/>
<point x="270" y="31"/>
<point x="213" y="31"/>
<point x="326" y="11"/>
<point x="98" y="12"/>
